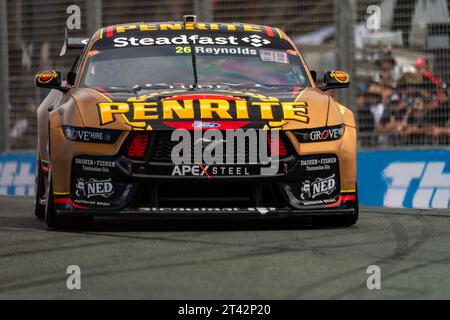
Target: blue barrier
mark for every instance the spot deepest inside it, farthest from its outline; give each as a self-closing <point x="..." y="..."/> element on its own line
<point x="17" y="173"/>
<point x="407" y="178"/>
<point x="404" y="179"/>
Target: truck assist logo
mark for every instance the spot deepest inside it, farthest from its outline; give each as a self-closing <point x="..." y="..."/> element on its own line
<point x="201" y="107"/>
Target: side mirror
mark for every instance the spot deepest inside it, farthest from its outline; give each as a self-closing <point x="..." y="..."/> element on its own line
<point x="49" y="79"/>
<point x="335" y="79"/>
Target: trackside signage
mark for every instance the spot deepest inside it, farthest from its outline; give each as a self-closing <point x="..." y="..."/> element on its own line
<point x="404" y="179"/>
<point x="17" y="174"/>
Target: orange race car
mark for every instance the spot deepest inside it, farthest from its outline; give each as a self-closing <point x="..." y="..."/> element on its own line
<point x="189" y="119"/>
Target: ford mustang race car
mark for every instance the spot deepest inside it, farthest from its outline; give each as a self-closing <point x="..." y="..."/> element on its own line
<point x="190" y="119"/>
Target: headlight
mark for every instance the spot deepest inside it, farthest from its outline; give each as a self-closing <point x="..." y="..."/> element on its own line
<point x="320" y="134"/>
<point x="90" y="134"/>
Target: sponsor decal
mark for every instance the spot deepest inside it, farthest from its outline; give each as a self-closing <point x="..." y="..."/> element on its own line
<point x="331" y="201"/>
<point x="255" y="40"/>
<point x="93" y="188"/>
<point x="260" y="210"/>
<point x="183" y="39"/>
<point x="326" y="134"/>
<point x="340" y="76"/>
<point x="194" y="39"/>
<point x="200" y="124"/>
<point x="46" y="76"/>
<point x="144" y="115"/>
<point x="225" y="51"/>
<point x="112" y="31"/>
<point x="91" y="203"/>
<point x="177" y="26"/>
<point x="320" y="186"/>
<point x="210" y="170"/>
<point x="100" y="192"/>
<point x="90" y="134"/>
<point x="319" y="182"/>
<point x="101" y="165"/>
<point x="320" y="134"/>
<point x="318" y="164"/>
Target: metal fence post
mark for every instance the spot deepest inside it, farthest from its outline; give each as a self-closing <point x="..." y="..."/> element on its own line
<point x="4" y="80"/>
<point x="203" y="10"/>
<point x="345" y="19"/>
<point x="93" y="16"/>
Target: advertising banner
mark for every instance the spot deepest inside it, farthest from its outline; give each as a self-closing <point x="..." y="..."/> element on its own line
<point x="17" y="173"/>
<point x="397" y="178"/>
<point x="404" y="179"/>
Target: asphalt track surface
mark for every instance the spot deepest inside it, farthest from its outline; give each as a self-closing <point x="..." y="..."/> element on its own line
<point x="154" y="260"/>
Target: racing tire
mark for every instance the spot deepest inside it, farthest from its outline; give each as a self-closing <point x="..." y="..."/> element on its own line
<point x="39" y="192"/>
<point x="54" y="221"/>
<point x="51" y="218"/>
<point x="338" y="221"/>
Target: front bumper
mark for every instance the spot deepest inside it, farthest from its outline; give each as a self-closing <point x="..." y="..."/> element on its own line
<point x="108" y="186"/>
<point x="213" y="213"/>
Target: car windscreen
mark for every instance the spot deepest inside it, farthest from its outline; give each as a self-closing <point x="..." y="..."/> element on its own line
<point x="172" y="65"/>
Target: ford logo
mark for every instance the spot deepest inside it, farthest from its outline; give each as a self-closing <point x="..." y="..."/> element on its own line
<point x="205" y="125"/>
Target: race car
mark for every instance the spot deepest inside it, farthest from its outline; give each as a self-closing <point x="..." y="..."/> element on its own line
<point x="189" y="119"/>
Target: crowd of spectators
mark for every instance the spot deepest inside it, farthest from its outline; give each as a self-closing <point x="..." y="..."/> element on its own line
<point x="405" y="105"/>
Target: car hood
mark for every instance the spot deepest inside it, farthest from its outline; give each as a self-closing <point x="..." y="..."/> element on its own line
<point x="206" y="108"/>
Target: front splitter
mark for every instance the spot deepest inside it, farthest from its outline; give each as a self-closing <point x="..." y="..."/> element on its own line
<point x="211" y="213"/>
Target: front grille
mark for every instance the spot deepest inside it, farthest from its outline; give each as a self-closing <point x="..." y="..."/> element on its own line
<point x="208" y="194"/>
<point x="162" y="147"/>
<point x="205" y="194"/>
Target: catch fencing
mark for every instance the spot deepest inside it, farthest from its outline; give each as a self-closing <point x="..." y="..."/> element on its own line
<point x="397" y="52"/>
